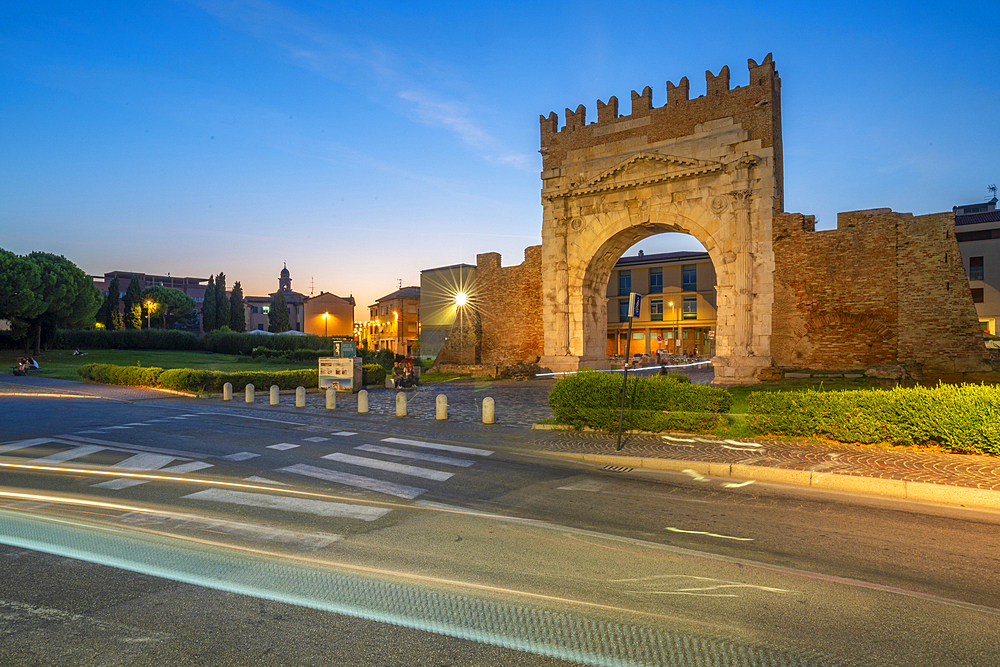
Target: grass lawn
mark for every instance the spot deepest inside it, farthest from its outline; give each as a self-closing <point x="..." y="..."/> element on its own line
<point x="62" y="365"/>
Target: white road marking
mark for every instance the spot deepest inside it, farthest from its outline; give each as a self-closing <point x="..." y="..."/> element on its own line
<point x="21" y="444"/>
<point x="282" y="446"/>
<point x="144" y="462"/>
<point x="70" y="454"/>
<point x="240" y="456"/>
<point x="737" y="485"/>
<point x="109" y="428"/>
<point x="288" y="504"/>
<point x="137" y="424"/>
<point x="347" y="479"/>
<point x="344" y="433"/>
<point x="262" y="480"/>
<point x="189" y="415"/>
<point x="434" y="445"/>
<point x="416" y="456"/>
<point x="311" y="541"/>
<point x="188" y="467"/>
<point x="316" y="439"/>
<point x="585" y="485"/>
<point x="673" y="439"/>
<point x="698" y="477"/>
<point x="701" y="532"/>
<point x="744" y="444"/>
<point x="389" y="466"/>
<point x="119" y="483"/>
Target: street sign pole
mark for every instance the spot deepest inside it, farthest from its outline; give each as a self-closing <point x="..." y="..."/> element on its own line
<point x="634" y="301"/>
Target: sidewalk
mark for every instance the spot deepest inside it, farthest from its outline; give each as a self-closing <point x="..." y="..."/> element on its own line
<point x="956" y="479"/>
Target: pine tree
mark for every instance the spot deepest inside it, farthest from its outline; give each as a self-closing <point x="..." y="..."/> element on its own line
<point x="209" y="309"/>
<point x="112" y="314"/>
<point x="221" y="302"/>
<point x="277" y="316"/>
<point x="237" y="315"/>
<point x="133" y="304"/>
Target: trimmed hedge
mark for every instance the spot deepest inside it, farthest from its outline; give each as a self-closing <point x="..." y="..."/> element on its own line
<point x="661" y="403"/>
<point x="289" y="355"/>
<point x="126" y="339"/>
<point x="373" y="374"/>
<point x="136" y="376"/>
<point x="197" y="381"/>
<point x="964" y="418"/>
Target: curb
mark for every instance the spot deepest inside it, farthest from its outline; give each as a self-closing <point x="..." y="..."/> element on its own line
<point x="872" y="486"/>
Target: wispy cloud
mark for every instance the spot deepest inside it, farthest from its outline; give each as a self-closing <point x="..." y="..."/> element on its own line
<point x="309" y="45"/>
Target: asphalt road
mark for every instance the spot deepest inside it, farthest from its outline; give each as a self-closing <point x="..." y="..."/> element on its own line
<point x="179" y="532"/>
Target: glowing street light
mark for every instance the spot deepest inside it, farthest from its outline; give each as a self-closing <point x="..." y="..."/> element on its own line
<point x="149" y="307"/>
<point x="326" y="324"/>
<point x="461" y="299"/>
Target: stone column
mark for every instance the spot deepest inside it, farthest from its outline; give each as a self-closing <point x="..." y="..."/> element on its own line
<point x="742" y="275"/>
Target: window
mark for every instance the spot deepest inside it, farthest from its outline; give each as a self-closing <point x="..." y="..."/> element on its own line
<point x="254" y="309"/>
<point x="975" y="268"/>
<point x="265" y="309"/>
<point x="690" y="311"/>
<point x="623" y="310"/>
<point x="689" y="278"/>
<point x="977" y="295"/>
<point x="656" y="281"/>
<point x="260" y="327"/>
<point x="656" y="309"/>
<point x="624" y="282"/>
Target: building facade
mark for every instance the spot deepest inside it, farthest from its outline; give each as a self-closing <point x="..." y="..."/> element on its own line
<point x="443" y="291"/>
<point x="393" y="323"/>
<point x="977" y="230"/>
<point x="193" y="287"/>
<point x="325" y="314"/>
<point x="678" y="310"/>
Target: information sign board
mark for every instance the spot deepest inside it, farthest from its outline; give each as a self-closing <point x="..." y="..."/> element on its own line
<point x="340" y="373"/>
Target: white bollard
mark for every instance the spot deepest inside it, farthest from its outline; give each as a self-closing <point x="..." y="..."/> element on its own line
<point x="331" y="399"/>
<point x="488" y="410"/>
<point x="274" y="394"/>
<point x="249" y="393"/>
<point x="300" y="397"/>
<point x="363" y="400"/>
<point x="401" y="404"/>
<point x="227" y="391"/>
<point x="441" y="405"/>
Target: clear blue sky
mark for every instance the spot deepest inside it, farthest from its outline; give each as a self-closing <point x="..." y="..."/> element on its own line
<point x="361" y="143"/>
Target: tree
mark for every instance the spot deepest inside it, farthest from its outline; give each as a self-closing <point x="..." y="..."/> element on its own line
<point x="20" y="280"/>
<point x="237" y="315"/>
<point x="66" y="297"/>
<point x="133" y="304"/>
<point x="109" y="315"/>
<point x="208" y="308"/>
<point x="221" y="302"/>
<point x="168" y="303"/>
<point x="277" y="316"/>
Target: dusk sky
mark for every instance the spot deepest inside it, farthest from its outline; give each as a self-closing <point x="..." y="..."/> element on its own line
<point x="363" y="142"/>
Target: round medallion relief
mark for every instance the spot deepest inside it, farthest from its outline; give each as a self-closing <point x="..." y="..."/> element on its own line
<point x="719" y="203"/>
<point x="576" y="225"/>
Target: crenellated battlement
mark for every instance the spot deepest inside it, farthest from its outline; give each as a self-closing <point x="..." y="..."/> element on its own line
<point x="756" y="106"/>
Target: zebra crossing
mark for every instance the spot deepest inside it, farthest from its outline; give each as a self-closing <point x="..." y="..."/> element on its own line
<point x="374" y="468"/>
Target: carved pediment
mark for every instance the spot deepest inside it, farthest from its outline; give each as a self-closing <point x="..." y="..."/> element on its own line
<point x="643" y="169"/>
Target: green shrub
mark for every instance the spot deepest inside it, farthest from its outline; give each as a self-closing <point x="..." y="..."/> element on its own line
<point x="964" y="418"/>
<point x="136" y="376"/>
<point x="373" y="374"/>
<point x="666" y="402"/>
<point x="197" y="381"/>
<point x="126" y="339"/>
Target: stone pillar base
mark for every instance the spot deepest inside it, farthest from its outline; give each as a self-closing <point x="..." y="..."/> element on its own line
<point x="739" y="371"/>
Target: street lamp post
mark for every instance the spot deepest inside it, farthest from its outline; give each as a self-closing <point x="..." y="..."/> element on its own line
<point x="326" y="325"/>
<point x="460" y="300"/>
<point x="149" y="307"/>
<point x="671" y="304"/>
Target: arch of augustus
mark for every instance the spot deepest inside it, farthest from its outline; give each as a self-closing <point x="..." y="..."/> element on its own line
<point x="884" y="293"/>
<point x="709" y="167"/>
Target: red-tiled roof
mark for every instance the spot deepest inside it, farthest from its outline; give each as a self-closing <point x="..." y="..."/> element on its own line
<point x="977" y="218"/>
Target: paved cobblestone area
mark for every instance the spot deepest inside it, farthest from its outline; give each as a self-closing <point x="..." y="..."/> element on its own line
<point x="520" y="404"/>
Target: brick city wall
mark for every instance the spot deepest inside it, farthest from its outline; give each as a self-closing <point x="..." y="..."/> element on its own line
<point x="510" y="305"/>
<point x="883" y="288"/>
<point x="755" y="107"/>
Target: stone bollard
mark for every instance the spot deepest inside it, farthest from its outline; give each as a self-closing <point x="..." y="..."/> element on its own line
<point x="488" y="411"/>
<point x="441" y="405"/>
<point x="300" y="397"/>
<point x="401" y="404"/>
<point x="331" y="399"/>
<point x="227" y="391"/>
<point x="249" y="393"/>
<point x="274" y="394"/>
<point x="363" y="400"/>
